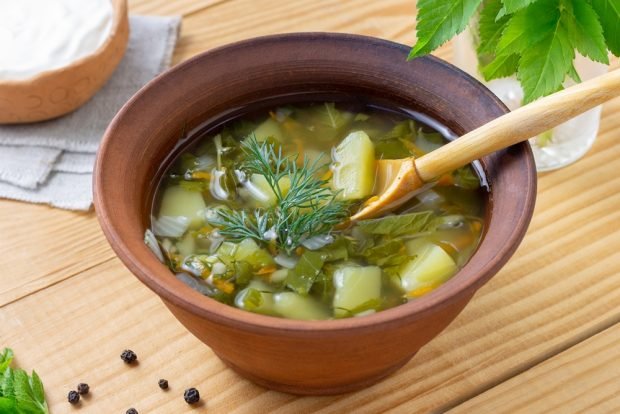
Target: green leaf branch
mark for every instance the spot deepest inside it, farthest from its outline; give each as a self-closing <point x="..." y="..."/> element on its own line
<point x="536" y="40"/>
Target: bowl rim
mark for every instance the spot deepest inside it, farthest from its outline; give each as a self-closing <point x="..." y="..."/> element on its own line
<point x="195" y="303"/>
<point x="119" y="13"/>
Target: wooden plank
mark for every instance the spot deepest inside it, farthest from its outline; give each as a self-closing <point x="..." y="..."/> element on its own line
<point x="241" y="19"/>
<point x="584" y="378"/>
<point x="43" y="246"/>
<point x="170" y="7"/>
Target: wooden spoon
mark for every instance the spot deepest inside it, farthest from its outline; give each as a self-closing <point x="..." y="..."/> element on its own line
<point x="509" y="129"/>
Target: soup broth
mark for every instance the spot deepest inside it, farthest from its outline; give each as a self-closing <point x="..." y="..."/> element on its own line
<point x="254" y="214"/>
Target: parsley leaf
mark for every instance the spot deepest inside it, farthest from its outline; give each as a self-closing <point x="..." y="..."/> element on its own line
<point x="20" y="393"/>
<point x="511" y="6"/>
<point x="609" y="14"/>
<point x="528" y="26"/>
<point x="489" y="27"/>
<point x="500" y="67"/>
<point x="536" y="39"/>
<point x="586" y="32"/>
<point x="439" y="20"/>
<point x="544" y="65"/>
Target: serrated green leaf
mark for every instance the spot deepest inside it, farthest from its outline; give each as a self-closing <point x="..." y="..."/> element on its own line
<point x="500" y="67"/>
<point x="26" y="396"/>
<point x="7" y="388"/>
<point x="7" y="405"/>
<point x="544" y="65"/>
<point x="586" y="31"/>
<point x="511" y="6"/>
<point x="609" y="15"/>
<point x="37" y="387"/>
<point x="438" y="21"/>
<point x="489" y="28"/>
<point x="20" y="393"/>
<point x="5" y="359"/>
<point x="21" y="385"/>
<point x="572" y="72"/>
<point x="528" y="27"/>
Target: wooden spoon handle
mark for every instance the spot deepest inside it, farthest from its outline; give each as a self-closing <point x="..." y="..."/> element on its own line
<point x="519" y="125"/>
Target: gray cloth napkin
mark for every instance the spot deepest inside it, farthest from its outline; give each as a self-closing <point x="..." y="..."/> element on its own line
<point x="52" y="161"/>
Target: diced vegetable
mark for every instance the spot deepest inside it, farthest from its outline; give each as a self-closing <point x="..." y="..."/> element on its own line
<point x="338" y="250"/>
<point x="247" y="251"/>
<point x="177" y="201"/>
<point x="195" y="283"/>
<point x="356" y="287"/>
<point x="170" y="226"/>
<point x="269" y="129"/>
<point x="295" y="306"/>
<point x="250" y="252"/>
<point x="199" y="264"/>
<point x="227" y="249"/>
<point x="278" y="276"/>
<point x="354" y="166"/>
<point x="430" y="267"/>
<point x="256" y="297"/>
<point x="301" y="278"/>
<point x="151" y="242"/>
<point x="187" y="245"/>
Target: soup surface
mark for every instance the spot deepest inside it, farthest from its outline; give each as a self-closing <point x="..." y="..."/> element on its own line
<point x="254" y="214"/>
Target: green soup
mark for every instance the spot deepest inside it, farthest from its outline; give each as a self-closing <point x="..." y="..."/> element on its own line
<point x="254" y="214"/>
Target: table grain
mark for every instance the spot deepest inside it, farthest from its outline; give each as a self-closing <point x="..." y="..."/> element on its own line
<point x="541" y="336"/>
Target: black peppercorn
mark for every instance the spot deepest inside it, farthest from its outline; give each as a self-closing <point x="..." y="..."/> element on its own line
<point x="191" y="395"/>
<point x="163" y="384"/>
<point x="129" y="356"/>
<point x="73" y="397"/>
<point x="83" y="388"/>
<point x="131" y="411"/>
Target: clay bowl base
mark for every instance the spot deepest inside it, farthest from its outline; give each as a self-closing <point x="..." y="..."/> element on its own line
<point x="305" y="390"/>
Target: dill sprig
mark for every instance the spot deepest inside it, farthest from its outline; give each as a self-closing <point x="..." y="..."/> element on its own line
<point x="309" y="208"/>
<point x="237" y="225"/>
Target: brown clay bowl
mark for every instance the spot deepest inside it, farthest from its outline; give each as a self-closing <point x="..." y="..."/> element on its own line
<point x="59" y="91"/>
<point x="318" y="357"/>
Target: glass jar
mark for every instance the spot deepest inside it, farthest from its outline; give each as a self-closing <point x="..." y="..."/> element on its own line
<point x="563" y="144"/>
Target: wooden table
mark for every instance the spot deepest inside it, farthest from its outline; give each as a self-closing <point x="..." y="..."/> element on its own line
<point x="541" y="336"/>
